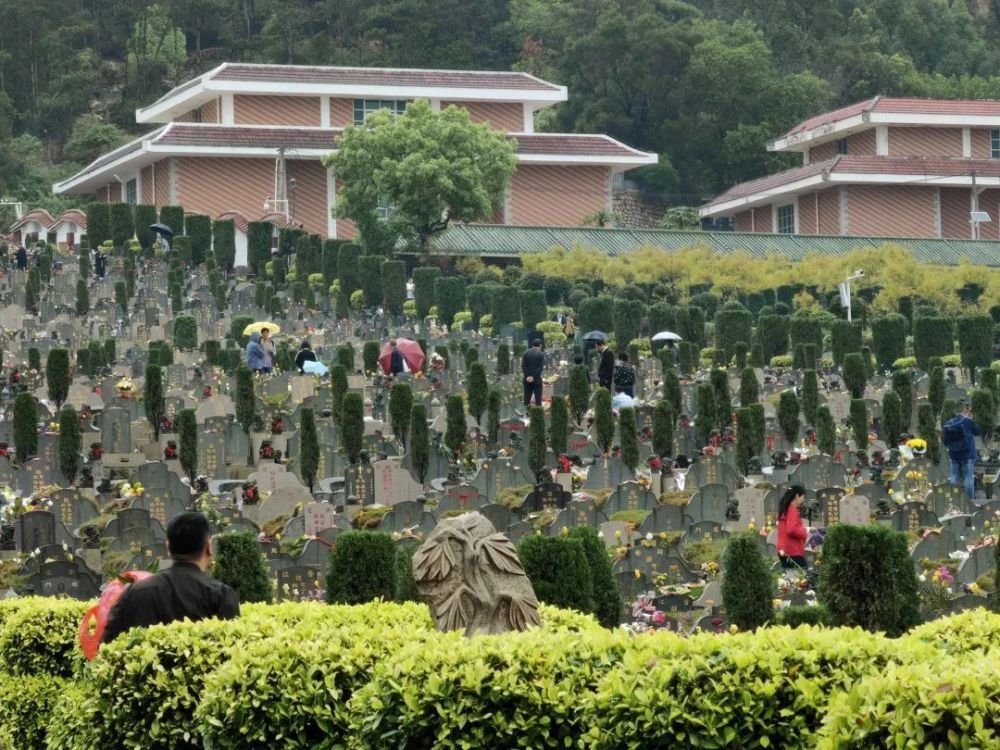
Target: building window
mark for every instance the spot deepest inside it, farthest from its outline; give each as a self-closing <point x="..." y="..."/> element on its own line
<point x="786" y="219"/>
<point x="995" y="143"/>
<point x="132" y="192"/>
<point x="384" y="208"/>
<point x="842" y="146"/>
<point x="364" y="107"/>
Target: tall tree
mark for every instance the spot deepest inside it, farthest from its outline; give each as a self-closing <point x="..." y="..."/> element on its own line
<point x="57" y="375"/>
<point x="153" y="398"/>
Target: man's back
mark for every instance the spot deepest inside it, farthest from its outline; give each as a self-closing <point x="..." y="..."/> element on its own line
<point x="532" y="363"/>
<point x="181" y="591"/>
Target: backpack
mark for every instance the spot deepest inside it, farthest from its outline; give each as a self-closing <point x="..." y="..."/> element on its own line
<point x="953" y="434"/>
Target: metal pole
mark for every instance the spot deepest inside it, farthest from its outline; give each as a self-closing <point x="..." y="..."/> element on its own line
<point x="848" y="282"/>
<point x="975" y="206"/>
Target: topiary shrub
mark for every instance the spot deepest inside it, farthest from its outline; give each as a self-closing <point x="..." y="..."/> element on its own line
<point x="449" y="298"/>
<point x="608" y="604"/>
<point x="854" y="374"/>
<point x="424" y="278"/>
<point x="629" y="438"/>
<point x="352" y="426"/>
<point x="892" y="419"/>
<point x="902" y="386"/>
<point x="478" y="390"/>
<point x="455" y="433"/>
<point x="420" y="441"/>
<point x="25" y="426"/>
<point x="744" y="438"/>
<point x="889" y="339"/>
<point x="723" y="398"/>
<point x="239" y="563"/>
<point x="788" y="416"/>
<point x="185" y="333"/>
<point x="558" y="570"/>
<point x="858" y="420"/>
<point x="604" y="419"/>
<point x="927" y="430"/>
<point x="867" y="579"/>
<point x="26" y="703"/>
<point x="933" y="336"/>
<point x="558" y="425"/>
<point x="308" y="448"/>
<point x="705" y="421"/>
<point x="975" y="342"/>
<point x="400" y="409"/>
<point x="747" y="588"/>
<point x="187" y="432"/>
<point x="733" y="323"/>
<point x="369" y="356"/>
<point x="361" y="568"/>
<point x="796" y="616"/>
<point x="70" y="443"/>
<point x="810" y="396"/>
<point x="826" y="431"/>
<point x="404" y="586"/>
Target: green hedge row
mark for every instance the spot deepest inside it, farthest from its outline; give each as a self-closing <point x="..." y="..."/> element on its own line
<point x="378" y="676"/>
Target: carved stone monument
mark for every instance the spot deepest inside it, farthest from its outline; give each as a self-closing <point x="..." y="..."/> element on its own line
<point x="472" y="580"/>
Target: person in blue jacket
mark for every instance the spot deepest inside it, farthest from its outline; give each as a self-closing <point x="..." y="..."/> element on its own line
<point x="256" y="360"/>
<point x="959" y="437"/>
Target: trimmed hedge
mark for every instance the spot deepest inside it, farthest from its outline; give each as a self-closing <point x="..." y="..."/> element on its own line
<point x="309" y="675"/>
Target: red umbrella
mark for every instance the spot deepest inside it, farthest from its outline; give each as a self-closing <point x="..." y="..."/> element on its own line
<point x="411" y="352"/>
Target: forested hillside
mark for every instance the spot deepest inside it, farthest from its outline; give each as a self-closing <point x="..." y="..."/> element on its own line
<point x="704" y="83"/>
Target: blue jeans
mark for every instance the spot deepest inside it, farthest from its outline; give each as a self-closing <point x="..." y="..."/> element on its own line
<point x="969" y="470"/>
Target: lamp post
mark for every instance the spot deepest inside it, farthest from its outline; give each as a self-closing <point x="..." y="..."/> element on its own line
<point x="845" y="292"/>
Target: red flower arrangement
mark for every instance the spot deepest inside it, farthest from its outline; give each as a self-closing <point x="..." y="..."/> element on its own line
<point x="655" y="464"/>
<point x="276" y="426"/>
<point x="565" y="465"/>
<point x="96" y="451"/>
<point x="170" y="452"/>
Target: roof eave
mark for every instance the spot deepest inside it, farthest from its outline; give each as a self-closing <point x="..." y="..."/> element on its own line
<point x="735" y="205"/>
<point x="803" y="141"/>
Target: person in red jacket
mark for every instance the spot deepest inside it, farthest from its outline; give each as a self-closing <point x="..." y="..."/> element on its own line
<point x="792" y="533"/>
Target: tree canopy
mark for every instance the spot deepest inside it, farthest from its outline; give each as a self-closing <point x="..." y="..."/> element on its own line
<point x="423" y="168"/>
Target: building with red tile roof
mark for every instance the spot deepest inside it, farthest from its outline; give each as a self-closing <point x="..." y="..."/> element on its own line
<point x="221" y="137"/>
<point x="884" y="167"/>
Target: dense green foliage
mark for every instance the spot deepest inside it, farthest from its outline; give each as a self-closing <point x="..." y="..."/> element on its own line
<point x="352" y="426"/>
<point x="70" y="443"/>
<point x="558" y="425"/>
<point x="558" y="570"/>
<point x="308" y="448"/>
<point x="867" y="579"/>
<point x="240" y="564"/>
<point x="361" y="568"/>
<point x="57" y="377"/>
<point x="604" y="419"/>
<point x="25" y="426"/>
<point x="747" y="586"/>
<point x="187" y="431"/>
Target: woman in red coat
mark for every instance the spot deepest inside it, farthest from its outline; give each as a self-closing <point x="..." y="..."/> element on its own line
<point x="792" y="533"/>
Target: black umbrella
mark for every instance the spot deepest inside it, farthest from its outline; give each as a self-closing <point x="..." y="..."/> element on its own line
<point x="162" y="229"/>
<point x="595" y="336"/>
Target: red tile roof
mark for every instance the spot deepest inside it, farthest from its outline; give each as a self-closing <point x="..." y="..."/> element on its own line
<point x="241" y="222"/>
<point x="224" y="136"/>
<point x="74" y="215"/>
<point x="900" y="105"/>
<point x="917" y="167"/>
<point x="779" y="179"/>
<point x="334" y="76"/>
<point x="40" y="215"/>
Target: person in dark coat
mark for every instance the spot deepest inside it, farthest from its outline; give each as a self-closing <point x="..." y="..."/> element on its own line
<point x="532" y="365"/>
<point x="606" y="368"/>
<point x="959" y="437"/>
<point x="184" y="590"/>
<point x="305" y="354"/>
<point x="21" y="257"/>
<point x="396" y="366"/>
<point x="99" y="264"/>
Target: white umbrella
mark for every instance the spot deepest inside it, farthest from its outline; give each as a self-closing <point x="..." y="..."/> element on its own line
<point x="666" y="336"/>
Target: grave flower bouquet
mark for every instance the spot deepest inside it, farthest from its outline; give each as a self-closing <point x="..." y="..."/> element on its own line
<point x="133" y="490"/>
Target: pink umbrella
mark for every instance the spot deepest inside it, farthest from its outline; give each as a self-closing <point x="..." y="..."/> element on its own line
<point x="411" y="352"/>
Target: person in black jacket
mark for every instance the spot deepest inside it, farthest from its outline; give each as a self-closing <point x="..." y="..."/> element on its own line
<point x="184" y="590"/>
<point x="21" y="258"/>
<point x="396" y="366"/>
<point x="305" y="354"/>
<point x="532" y="364"/>
<point x="606" y="368"/>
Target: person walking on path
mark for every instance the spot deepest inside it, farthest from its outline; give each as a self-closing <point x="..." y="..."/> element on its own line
<point x="532" y="365"/>
<point x="267" y="345"/>
<point x="606" y="368"/>
<point x="182" y="591"/>
<point x="255" y="354"/>
<point x="959" y="437"/>
<point x="792" y="533"/>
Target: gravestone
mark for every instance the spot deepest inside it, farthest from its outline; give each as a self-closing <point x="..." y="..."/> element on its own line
<point x="855" y="510"/>
<point x="318" y="516"/>
<point x="499" y="515"/>
<point x="630" y="496"/>
<point x="545" y="496"/>
<point x="408" y="517"/>
<point x="116" y="437"/>
<point x="359" y="483"/>
<point x="393" y="483"/>
<point x="710" y="503"/>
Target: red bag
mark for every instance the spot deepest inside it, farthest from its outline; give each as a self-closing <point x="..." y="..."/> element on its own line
<point x="96" y="618"/>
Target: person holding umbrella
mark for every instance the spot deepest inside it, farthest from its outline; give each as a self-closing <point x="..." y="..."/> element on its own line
<point x="267" y="344"/>
<point x="409" y="352"/>
<point x="255" y="355"/>
<point x="396" y="366"/>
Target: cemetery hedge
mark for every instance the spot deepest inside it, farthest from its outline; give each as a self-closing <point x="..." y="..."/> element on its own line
<point x="391" y="681"/>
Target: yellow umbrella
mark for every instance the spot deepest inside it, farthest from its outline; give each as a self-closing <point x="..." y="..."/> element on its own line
<point x="256" y="327"/>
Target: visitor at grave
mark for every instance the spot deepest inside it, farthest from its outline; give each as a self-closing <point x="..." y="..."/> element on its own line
<point x="21" y="258"/>
<point x="532" y="364"/>
<point x="255" y="354"/>
<point x="623" y="377"/>
<point x="959" y="437"/>
<point x="606" y="368"/>
<point x="569" y="328"/>
<point x="396" y="365"/>
<point x="792" y="533"/>
<point x="305" y="354"/>
<point x="267" y="344"/>
<point x="622" y="401"/>
<point x="184" y="590"/>
<point x="99" y="264"/>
